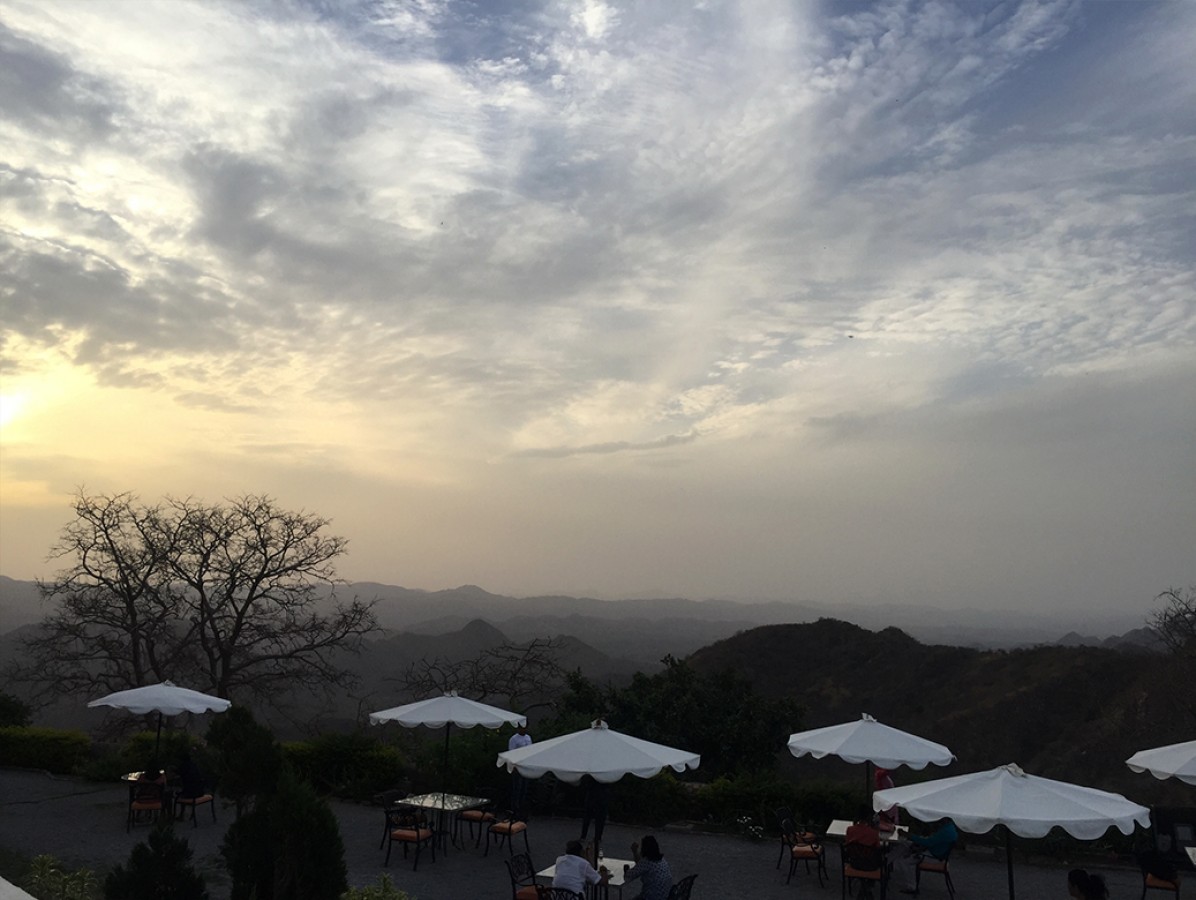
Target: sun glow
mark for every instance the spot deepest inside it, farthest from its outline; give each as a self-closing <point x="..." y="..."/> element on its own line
<point x="10" y="407"/>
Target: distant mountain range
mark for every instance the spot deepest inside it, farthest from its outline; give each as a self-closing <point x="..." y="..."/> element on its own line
<point x="641" y="632"/>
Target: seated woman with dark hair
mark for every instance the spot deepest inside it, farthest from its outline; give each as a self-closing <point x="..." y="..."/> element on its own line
<point x="1082" y="886"/>
<point x="651" y="869"/>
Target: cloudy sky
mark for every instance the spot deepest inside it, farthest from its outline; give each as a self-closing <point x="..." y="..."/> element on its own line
<point x="881" y="302"/>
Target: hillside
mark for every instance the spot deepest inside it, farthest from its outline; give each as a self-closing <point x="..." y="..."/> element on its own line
<point x="1074" y="713"/>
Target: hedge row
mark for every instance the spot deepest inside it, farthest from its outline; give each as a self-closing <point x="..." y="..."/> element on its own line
<point x="43" y="748"/>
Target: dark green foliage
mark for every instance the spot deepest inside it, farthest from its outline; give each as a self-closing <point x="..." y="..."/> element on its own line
<point x="288" y="848"/>
<point x="14" y="711"/>
<point x="716" y="714"/>
<point x="159" y="869"/>
<point x="43" y="748"/>
<point x="247" y="855"/>
<point x="355" y="766"/>
<point x="309" y="855"/>
<point x="244" y="757"/>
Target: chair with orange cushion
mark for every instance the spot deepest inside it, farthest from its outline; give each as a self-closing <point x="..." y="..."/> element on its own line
<point x="938" y="865"/>
<point x="804" y="847"/>
<point x="406" y="827"/>
<point x="523" y="877"/>
<point x="1159" y="873"/>
<point x="504" y="828"/>
<point x="147" y="800"/>
<point x="182" y="803"/>
<point x="864" y="863"/>
<point x="480" y="817"/>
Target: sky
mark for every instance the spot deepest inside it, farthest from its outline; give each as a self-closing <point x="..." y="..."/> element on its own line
<point x="846" y="302"/>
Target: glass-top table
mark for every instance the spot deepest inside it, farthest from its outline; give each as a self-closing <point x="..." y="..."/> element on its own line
<point x="444" y="805"/>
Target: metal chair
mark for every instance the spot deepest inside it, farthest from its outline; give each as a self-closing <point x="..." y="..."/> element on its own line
<point x="804" y="847"/>
<point x="406" y="827"/>
<point x="147" y="799"/>
<point x="480" y="817"/>
<point x="783" y="814"/>
<point x="938" y="865"/>
<point x="504" y="829"/>
<point x="555" y="893"/>
<point x="864" y="863"/>
<point x="681" y="890"/>
<point x="181" y="804"/>
<point x="523" y="877"/>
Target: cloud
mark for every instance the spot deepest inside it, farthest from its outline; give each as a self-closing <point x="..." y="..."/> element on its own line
<point x="578" y="236"/>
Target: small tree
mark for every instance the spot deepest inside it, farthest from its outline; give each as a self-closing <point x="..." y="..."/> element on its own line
<point x="288" y="848"/>
<point x="244" y="756"/>
<point x="159" y="869"/>
<point x="223" y="597"/>
<point x="13" y="711"/>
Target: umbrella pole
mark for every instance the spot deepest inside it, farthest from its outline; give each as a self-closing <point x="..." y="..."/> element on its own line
<point x="158" y="741"/>
<point x="1009" y="860"/>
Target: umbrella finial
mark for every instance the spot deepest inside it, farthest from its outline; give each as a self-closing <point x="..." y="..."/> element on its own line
<point x="599" y="723"/>
<point x="450" y="693"/>
<point x="1014" y="769"/>
<point x="867" y="718"/>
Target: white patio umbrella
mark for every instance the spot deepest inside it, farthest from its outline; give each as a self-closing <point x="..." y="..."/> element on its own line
<point x="872" y="743"/>
<point x="1172" y="761"/>
<point x="445" y="711"/>
<point x="165" y="698"/>
<point x="1026" y="805"/>
<point x="599" y="751"/>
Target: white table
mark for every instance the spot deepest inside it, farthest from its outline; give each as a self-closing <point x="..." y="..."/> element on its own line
<point x="1191" y="851"/>
<point x="616" y="867"/>
<point x="838" y="829"/>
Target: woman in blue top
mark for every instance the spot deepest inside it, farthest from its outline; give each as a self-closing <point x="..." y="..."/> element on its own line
<point x="651" y="869"/>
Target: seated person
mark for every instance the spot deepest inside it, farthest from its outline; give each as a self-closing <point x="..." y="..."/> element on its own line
<point x="910" y="852"/>
<point x="863" y="834"/>
<point x="651" y="869"/>
<point x="862" y="831"/>
<point x="191" y="780"/>
<point x="1083" y="886"/>
<point x="574" y="872"/>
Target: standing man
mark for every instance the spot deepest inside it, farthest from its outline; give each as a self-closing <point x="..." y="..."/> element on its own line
<point x="518" y="783"/>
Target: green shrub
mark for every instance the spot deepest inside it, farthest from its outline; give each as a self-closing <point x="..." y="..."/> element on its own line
<point x="288" y="848"/>
<point x="43" y="748"/>
<point x="354" y="766"/>
<point x="47" y="880"/>
<point x="383" y="890"/>
<point x="14" y="711"/>
<point x="159" y="869"/>
<point x="243" y="757"/>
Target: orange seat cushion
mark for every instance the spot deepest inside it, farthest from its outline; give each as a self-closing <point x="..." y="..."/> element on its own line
<point x="806" y="851"/>
<point x="411" y="835"/>
<point x="194" y="801"/>
<point x="527" y="893"/>
<point x="932" y="865"/>
<point x="873" y="874"/>
<point x="509" y="827"/>
<point x="477" y="815"/>
<point x="1153" y="881"/>
<point x="143" y="805"/>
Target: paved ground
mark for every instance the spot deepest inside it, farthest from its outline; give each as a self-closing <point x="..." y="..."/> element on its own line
<point x="83" y="823"/>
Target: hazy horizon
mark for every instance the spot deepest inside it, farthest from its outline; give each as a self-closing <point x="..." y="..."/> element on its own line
<point x="824" y="302"/>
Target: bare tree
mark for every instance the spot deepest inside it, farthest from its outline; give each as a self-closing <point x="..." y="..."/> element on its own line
<point x="1175" y="624"/>
<point x="115" y="625"/>
<point x="225" y="598"/>
<point x="522" y="676"/>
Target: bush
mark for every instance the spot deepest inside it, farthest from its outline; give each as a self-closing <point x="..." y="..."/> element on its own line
<point x="354" y="766"/>
<point x="46" y="880"/>
<point x="43" y="748"/>
<point x="14" y="711"/>
<point x="288" y="848"/>
<point x="244" y="759"/>
<point x="159" y="869"/>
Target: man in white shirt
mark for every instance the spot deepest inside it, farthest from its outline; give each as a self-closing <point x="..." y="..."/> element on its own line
<point x="518" y="783"/>
<point x="574" y="872"/>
